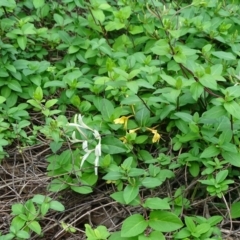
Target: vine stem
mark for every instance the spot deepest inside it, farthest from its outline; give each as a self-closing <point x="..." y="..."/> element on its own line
<point x="229" y="214"/>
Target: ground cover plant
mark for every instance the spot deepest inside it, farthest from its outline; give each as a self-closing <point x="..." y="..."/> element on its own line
<point x="119" y="120"/>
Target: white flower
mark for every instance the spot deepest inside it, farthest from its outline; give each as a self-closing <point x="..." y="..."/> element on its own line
<point x="80" y="122"/>
<point x="79" y="125"/>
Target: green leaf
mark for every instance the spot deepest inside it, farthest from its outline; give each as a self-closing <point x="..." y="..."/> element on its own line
<point x="145" y="155"/>
<point x="189" y="137"/>
<point x="223" y="55"/>
<point x="154" y="235"/>
<point x="8" y="236"/>
<point x="3" y="142"/>
<point x="35" y="226"/>
<point x="136" y="172"/>
<point x="190" y="224"/>
<point x="164" y="221"/>
<point x="196" y="90"/>
<point x="89" y="178"/>
<point x="55" y="146"/>
<point x="161" y="47"/>
<point x="4" y="73"/>
<point x="82" y="190"/>
<point x="221" y="176"/>
<point x="145" y="84"/>
<point x="98" y="15"/>
<point x="38" y="94"/>
<point x="50" y="103"/>
<point x="210" y="151"/>
<point x="38" y="3"/>
<point x="34" y="103"/>
<point x="114" y="25"/>
<point x="104" y="6"/>
<point x="112" y="145"/>
<point x="126" y="165"/>
<point x="180" y="57"/>
<point x="55" y="83"/>
<point x="126" y="11"/>
<point x="194" y="169"/>
<point x="150" y="182"/>
<point x="113" y="176"/>
<point x="131" y="100"/>
<point x="8" y="3"/>
<point x="130" y="192"/>
<point x="101" y="232"/>
<point x="17" y="208"/>
<point x="184" y="233"/>
<point x="170" y="80"/>
<point x="57" y="185"/>
<point x="18" y="223"/>
<point x="57" y="206"/>
<point x="235" y="210"/>
<point x="157" y="203"/>
<point x="133" y="226"/>
<point x="232" y="158"/>
<point x="208" y="81"/>
<point x="107" y="109"/>
<point x="186" y="117"/>
<point x="213" y="113"/>
<point x="202" y="228"/>
<point x="216" y="69"/>
<point x="44" y="208"/>
<point x="23" y="234"/>
<point x="58" y="19"/>
<point x="118" y="196"/>
<point x="133" y="86"/>
<point x="233" y="91"/>
<point x="142" y="116"/>
<point x="31" y="210"/>
<point x="141" y="139"/>
<point x="117" y="236"/>
<point x="14" y="85"/>
<point x="233" y="108"/>
<point x="214" y="220"/>
<point x="135" y="29"/>
<point x="28" y="28"/>
<point x="90" y="232"/>
<point x="225" y="137"/>
<point x="39" y="199"/>
<point x="73" y="49"/>
<point x="22" y="42"/>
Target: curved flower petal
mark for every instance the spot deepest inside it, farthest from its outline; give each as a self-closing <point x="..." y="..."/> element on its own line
<point x="120" y="120"/>
<point x="156" y="137"/>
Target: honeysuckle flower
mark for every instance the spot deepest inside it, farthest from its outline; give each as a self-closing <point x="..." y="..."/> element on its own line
<point x="79" y="125"/>
<point x="156" y="135"/>
<point x="123" y="139"/>
<point x="133" y="130"/>
<point x="122" y="120"/>
<point x="98" y="153"/>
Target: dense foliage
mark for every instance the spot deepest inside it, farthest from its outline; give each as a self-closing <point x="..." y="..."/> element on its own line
<point x="142" y="95"/>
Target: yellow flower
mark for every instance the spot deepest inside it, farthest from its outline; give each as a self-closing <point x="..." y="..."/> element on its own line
<point x="156" y="135"/>
<point x="133" y="130"/>
<point x="123" y="139"/>
<point x="122" y="120"/>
